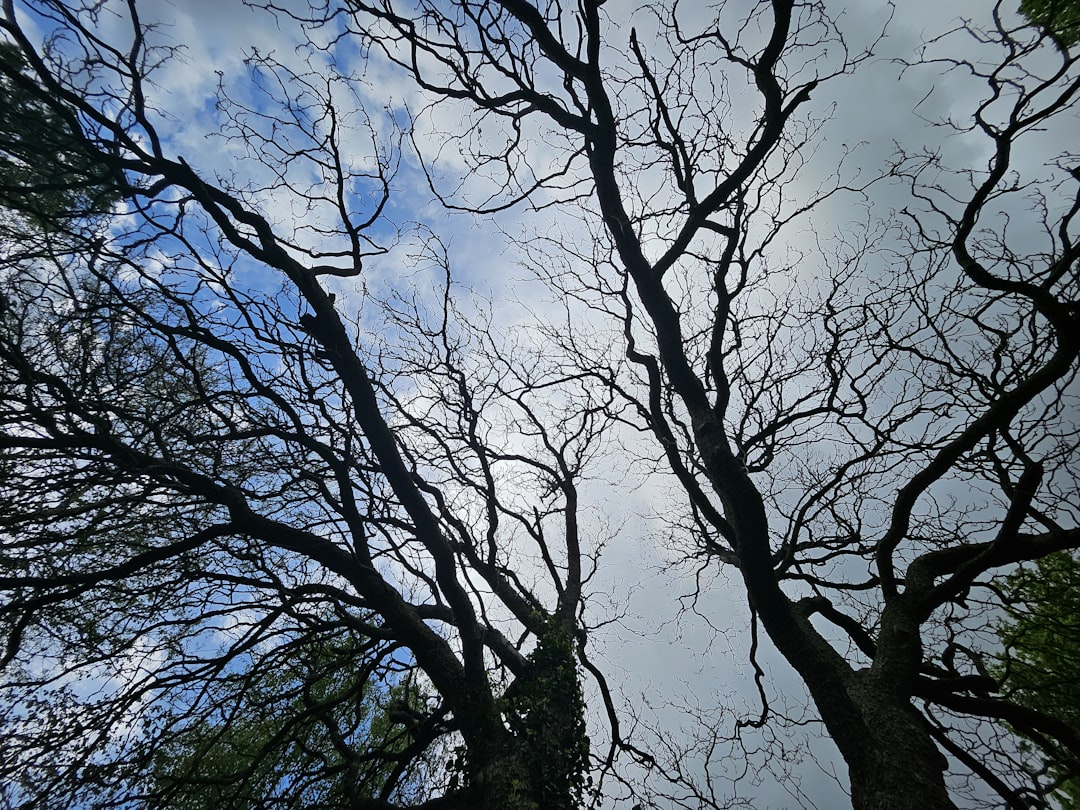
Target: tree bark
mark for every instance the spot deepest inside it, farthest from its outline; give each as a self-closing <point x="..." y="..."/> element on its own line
<point x="897" y="766"/>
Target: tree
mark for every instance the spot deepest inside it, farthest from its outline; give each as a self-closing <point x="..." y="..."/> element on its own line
<point x="866" y="444"/>
<point x="301" y="731"/>
<point x="206" y="470"/>
<point x="1061" y="19"/>
<point x="46" y="170"/>
<point x="1041" y="658"/>
<point x="820" y="436"/>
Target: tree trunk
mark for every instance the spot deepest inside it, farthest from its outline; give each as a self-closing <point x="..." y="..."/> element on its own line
<point x="893" y="763"/>
<point x="504" y="781"/>
<point x="896" y="765"/>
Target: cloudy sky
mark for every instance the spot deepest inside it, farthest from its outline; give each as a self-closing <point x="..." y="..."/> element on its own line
<point x="689" y="652"/>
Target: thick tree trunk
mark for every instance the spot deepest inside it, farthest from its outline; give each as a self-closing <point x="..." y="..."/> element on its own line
<point x="499" y="778"/>
<point x="504" y="781"/>
<point x="896" y="765"/>
<point x="893" y="763"/>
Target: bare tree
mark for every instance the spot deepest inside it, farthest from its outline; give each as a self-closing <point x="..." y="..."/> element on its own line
<point x="867" y="448"/>
<point x="866" y="443"/>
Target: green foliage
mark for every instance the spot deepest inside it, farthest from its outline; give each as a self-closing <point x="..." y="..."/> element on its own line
<point x="546" y="710"/>
<point x="1059" y="18"/>
<point x="314" y="731"/>
<point x="48" y="170"/>
<point x="1040" y="667"/>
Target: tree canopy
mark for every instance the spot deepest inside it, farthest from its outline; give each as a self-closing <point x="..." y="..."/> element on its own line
<point x="47" y="170"/>
<point x="1061" y="18"/>
<point x="303" y="730"/>
<point x="292" y="508"/>
<point x="1040" y="662"/>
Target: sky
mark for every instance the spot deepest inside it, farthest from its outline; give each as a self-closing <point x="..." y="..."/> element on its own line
<point x="689" y="651"/>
